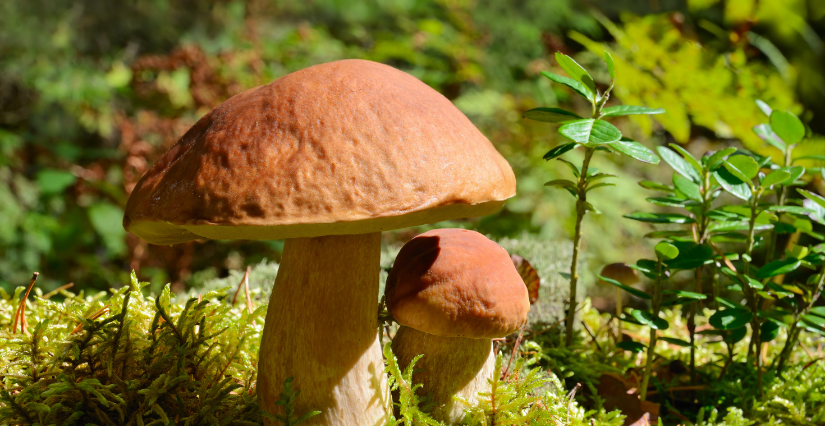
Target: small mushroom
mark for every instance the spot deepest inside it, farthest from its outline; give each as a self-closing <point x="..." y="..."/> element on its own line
<point x="327" y="158"/>
<point x="624" y="274"/>
<point x="453" y="291"/>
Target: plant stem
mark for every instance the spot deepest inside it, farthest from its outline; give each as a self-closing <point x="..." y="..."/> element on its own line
<point x="581" y="210"/>
<point x="780" y="200"/>
<point x="756" y="340"/>
<point x="651" y="347"/>
<point x="699" y="237"/>
<point x="793" y="333"/>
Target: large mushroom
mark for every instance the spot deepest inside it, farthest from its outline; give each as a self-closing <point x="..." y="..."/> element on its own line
<point x="326" y="157"/>
<point x="453" y="291"/>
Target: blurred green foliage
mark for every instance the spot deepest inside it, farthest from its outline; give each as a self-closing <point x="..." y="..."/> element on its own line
<point x="92" y="92"/>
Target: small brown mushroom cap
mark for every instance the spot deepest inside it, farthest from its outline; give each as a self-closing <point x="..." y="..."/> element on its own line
<point x="456" y="283"/>
<point x="346" y="147"/>
<point x="621" y="272"/>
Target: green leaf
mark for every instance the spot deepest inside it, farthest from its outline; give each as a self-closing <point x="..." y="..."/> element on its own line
<point x="569" y="82"/>
<point x="715" y="160"/>
<point x="787" y="126"/>
<point x="656" y="186"/>
<point x="687" y="187"/>
<point x="671" y="201"/>
<point x="647" y="318"/>
<point x="691" y="255"/>
<point x="53" y="181"/>
<point x="574" y="70"/>
<point x="732" y="184"/>
<point x="610" y="67"/>
<point x="559" y="150"/>
<point x="725" y="302"/>
<point x="551" y="115"/>
<point x="729" y="319"/>
<point x="591" y="132"/>
<point x="778" y="267"/>
<point x="619" y="110"/>
<point x="814" y="320"/>
<point x="573" y="168"/>
<point x="675" y="341"/>
<point x="669" y="234"/>
<point x="742" y="166"/>
<point x="686" y="294"/>
<point x="597" y="176"/>
<point x="776" y="177"/>
<point x="795" y="171"/>
<point x="638" y="293"/>
<point x="736" y="335"/>
<point x="686" y="155"/>
<point x="769" y="330"/>
<point x="562" y="183"/>
<point x="811" y="157"/>
<point x="790" y="209"/>
<point x="660" y="217"/>
<point x="752" y="283"/>
<point x="765" y="133"/>
<point x="666" y="251"/>
<point x="764" y="107"/>
<point x="679" y="164"/>
<point x="599" y="185"/>
<point x="635" y="150"/>
<point x="631" y="346"/>
<point x="818" y="310"/>
<point x="816" y="198"/>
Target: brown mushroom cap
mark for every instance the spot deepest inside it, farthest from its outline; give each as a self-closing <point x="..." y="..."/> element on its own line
<point x="346" y="147"/>
<point x="621" y="272"/>
<point x="456" y="283"/>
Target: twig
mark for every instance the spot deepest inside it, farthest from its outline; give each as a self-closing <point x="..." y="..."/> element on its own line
<point x="49" y="295"/>
<point x="592" y="336"/>
<point x="244" y="280"/>
<point x="513" y="354"/>
<point x="93" y="316"/>
<point x="20" y="312"/>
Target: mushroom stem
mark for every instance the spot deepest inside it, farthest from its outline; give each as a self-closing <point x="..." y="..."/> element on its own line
<point x="451" y="366"/>
<point x="322" y="329"/>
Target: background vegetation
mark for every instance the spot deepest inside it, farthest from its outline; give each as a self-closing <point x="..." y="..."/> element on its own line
<point x="92" y="92"/>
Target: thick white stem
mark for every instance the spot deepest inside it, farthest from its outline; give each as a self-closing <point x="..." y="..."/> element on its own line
<point x="321" y="328"/>
<point x="451" y="366"/>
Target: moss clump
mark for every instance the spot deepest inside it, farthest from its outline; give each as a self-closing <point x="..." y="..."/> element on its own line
<point x="141" y="361"/>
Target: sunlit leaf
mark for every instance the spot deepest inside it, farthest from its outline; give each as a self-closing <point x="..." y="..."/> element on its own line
<point x="666" y="251"/>
<point x="729" y="319"/>
<point x="787" y="126"/>
<point x="610" y="67"/>
<point x="648" y="319"/>
<point x="742" y="166"/>
<point x="679" y="164"/>
<point x="778" y="267"/>
<point x="619" y="110"/>
<point x="577" y="72"/>
<point x="591" y="132"/>
<point x="765" y="132"/>
<point x="635" y="150"/>
<point x="569" y="82"/>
